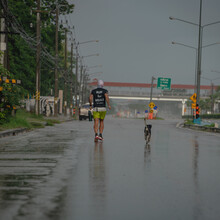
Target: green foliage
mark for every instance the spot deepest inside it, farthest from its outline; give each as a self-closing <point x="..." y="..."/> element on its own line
<point x="18" y="121"/>
<point x="24" y="119"/>
<point x="10" y="96"/>
<point x="216" y="116"/>
<point x="23" y="55"/>
<point x="205" y="105"/>
<point x="189" y="122"/>
<point x="3" y="118"/>
<point x="22" y="64"/>
<point x="210" y="126"/>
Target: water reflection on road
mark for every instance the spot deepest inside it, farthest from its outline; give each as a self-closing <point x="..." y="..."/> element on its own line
<point x="175" y="176"/>
<point x="60" y="173"/>
<point x="197" y="209"/>
<point x="98" y="178"/>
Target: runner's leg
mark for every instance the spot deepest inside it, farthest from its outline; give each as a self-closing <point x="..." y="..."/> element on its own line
<point x="96" y="125"/>
<point x="101" y="125"/>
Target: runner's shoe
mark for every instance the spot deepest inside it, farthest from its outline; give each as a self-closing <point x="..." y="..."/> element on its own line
<point x="100" y="137"/>
<point x="96" y="138"/>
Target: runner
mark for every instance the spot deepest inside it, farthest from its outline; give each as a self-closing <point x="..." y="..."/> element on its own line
<point x="99" y="97"/>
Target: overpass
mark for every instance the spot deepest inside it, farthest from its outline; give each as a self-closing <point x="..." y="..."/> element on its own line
<point x="148" y="85"/>
<point x="135" y="92"/>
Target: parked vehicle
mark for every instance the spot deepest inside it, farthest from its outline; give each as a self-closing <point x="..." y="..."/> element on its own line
<point x="84" y="112"/>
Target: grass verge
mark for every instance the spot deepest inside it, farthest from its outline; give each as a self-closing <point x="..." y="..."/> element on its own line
<point x="24" y="119"/>
<point x="189" y="122"/>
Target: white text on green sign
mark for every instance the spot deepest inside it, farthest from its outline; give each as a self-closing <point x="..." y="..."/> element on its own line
<point x="164" y="83"/>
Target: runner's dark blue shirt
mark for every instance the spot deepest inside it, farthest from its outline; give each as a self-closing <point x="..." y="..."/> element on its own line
<point x="99" y="97"/>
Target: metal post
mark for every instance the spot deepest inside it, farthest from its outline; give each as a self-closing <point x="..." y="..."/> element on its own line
<point x="80" y="83"/>
<point x="76" y="81"/>
<point x="212" y="98"/>
<point x="56" y="65"/>
<point x="37" y="96"/>
<point x="71" y="79"/>
<point x="83" y="87"/>
<point x="199" y="55"/>
<point x="65" y="75"/>
<point x="151" y="90"/>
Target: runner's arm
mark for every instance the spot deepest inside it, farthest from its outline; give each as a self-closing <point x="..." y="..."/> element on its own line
<point x="107" y="100"/>
<point x="90" y="100"/>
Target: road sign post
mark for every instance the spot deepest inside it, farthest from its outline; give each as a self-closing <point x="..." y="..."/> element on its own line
<point x="151" y="105"/>
<point x="193" y="98"/>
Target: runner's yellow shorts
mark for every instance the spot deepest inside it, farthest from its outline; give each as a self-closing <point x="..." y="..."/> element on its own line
<point x="100" y="115"/>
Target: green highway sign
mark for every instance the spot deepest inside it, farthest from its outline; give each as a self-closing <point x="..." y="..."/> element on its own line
<point x="164" y="83"/>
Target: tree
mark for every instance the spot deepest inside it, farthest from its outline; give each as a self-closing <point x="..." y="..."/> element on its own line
<point x="22" y="48"/>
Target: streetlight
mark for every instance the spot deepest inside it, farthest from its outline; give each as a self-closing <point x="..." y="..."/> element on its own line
<point x="195" y="24"/>
<point x="81" y="75"/>
<point x="90" y="41"/>
<point x="91" y="55"/>
<point x="85" y="83"/>
<point x="90" y="67"/>
<point x="77" y="56"/>
<point x="196" y="49"/>
<point x="195" y="60"/>
<point x="199" y="51"/>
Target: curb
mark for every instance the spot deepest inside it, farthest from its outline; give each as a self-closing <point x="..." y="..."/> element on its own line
<point x="13" y="132"/>
<point x="202" y="128"/>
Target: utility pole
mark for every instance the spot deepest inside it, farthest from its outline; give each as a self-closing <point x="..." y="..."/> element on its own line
<point x="199" y="58"/>
<point x="37" y="95"/>
<point x="4" y="34"/>
<point x="56" y="65"/>
<point x="76" y="81"/>
<point x="80" y="82"/>
<point x="71" y="79"/>
<point x="83" y="86"/>
<point x="65" y="75"/>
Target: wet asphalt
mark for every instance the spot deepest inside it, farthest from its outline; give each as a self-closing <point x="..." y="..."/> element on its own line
<point x="60" y="173"/>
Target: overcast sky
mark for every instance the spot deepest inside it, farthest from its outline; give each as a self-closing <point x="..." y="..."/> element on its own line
<point x="135" y="39"/>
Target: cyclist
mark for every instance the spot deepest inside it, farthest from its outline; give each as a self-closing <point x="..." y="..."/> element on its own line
<point x="99" y="97"/>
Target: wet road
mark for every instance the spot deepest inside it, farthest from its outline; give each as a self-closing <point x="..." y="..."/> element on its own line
<point x="175" y="177"/>
<point x="60" y="173"/>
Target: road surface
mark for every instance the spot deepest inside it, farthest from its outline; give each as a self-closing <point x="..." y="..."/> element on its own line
<point x="60" y="173"/>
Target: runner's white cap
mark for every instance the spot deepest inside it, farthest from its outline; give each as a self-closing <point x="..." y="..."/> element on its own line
<point x="100" y="83"/>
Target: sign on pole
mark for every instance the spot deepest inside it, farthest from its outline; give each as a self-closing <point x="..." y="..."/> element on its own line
<point x="151" y="105"/>
<point x="193" y="97"/>
<point x="193" y="105"/>
<point x="164" y="83"/>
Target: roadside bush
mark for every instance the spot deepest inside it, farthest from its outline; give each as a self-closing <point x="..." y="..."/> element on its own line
<point x="3" y="118"/>
<point x="10" y="96"/>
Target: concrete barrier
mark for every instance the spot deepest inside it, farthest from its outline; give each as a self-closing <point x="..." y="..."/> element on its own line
<point x="202" y="128"/>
